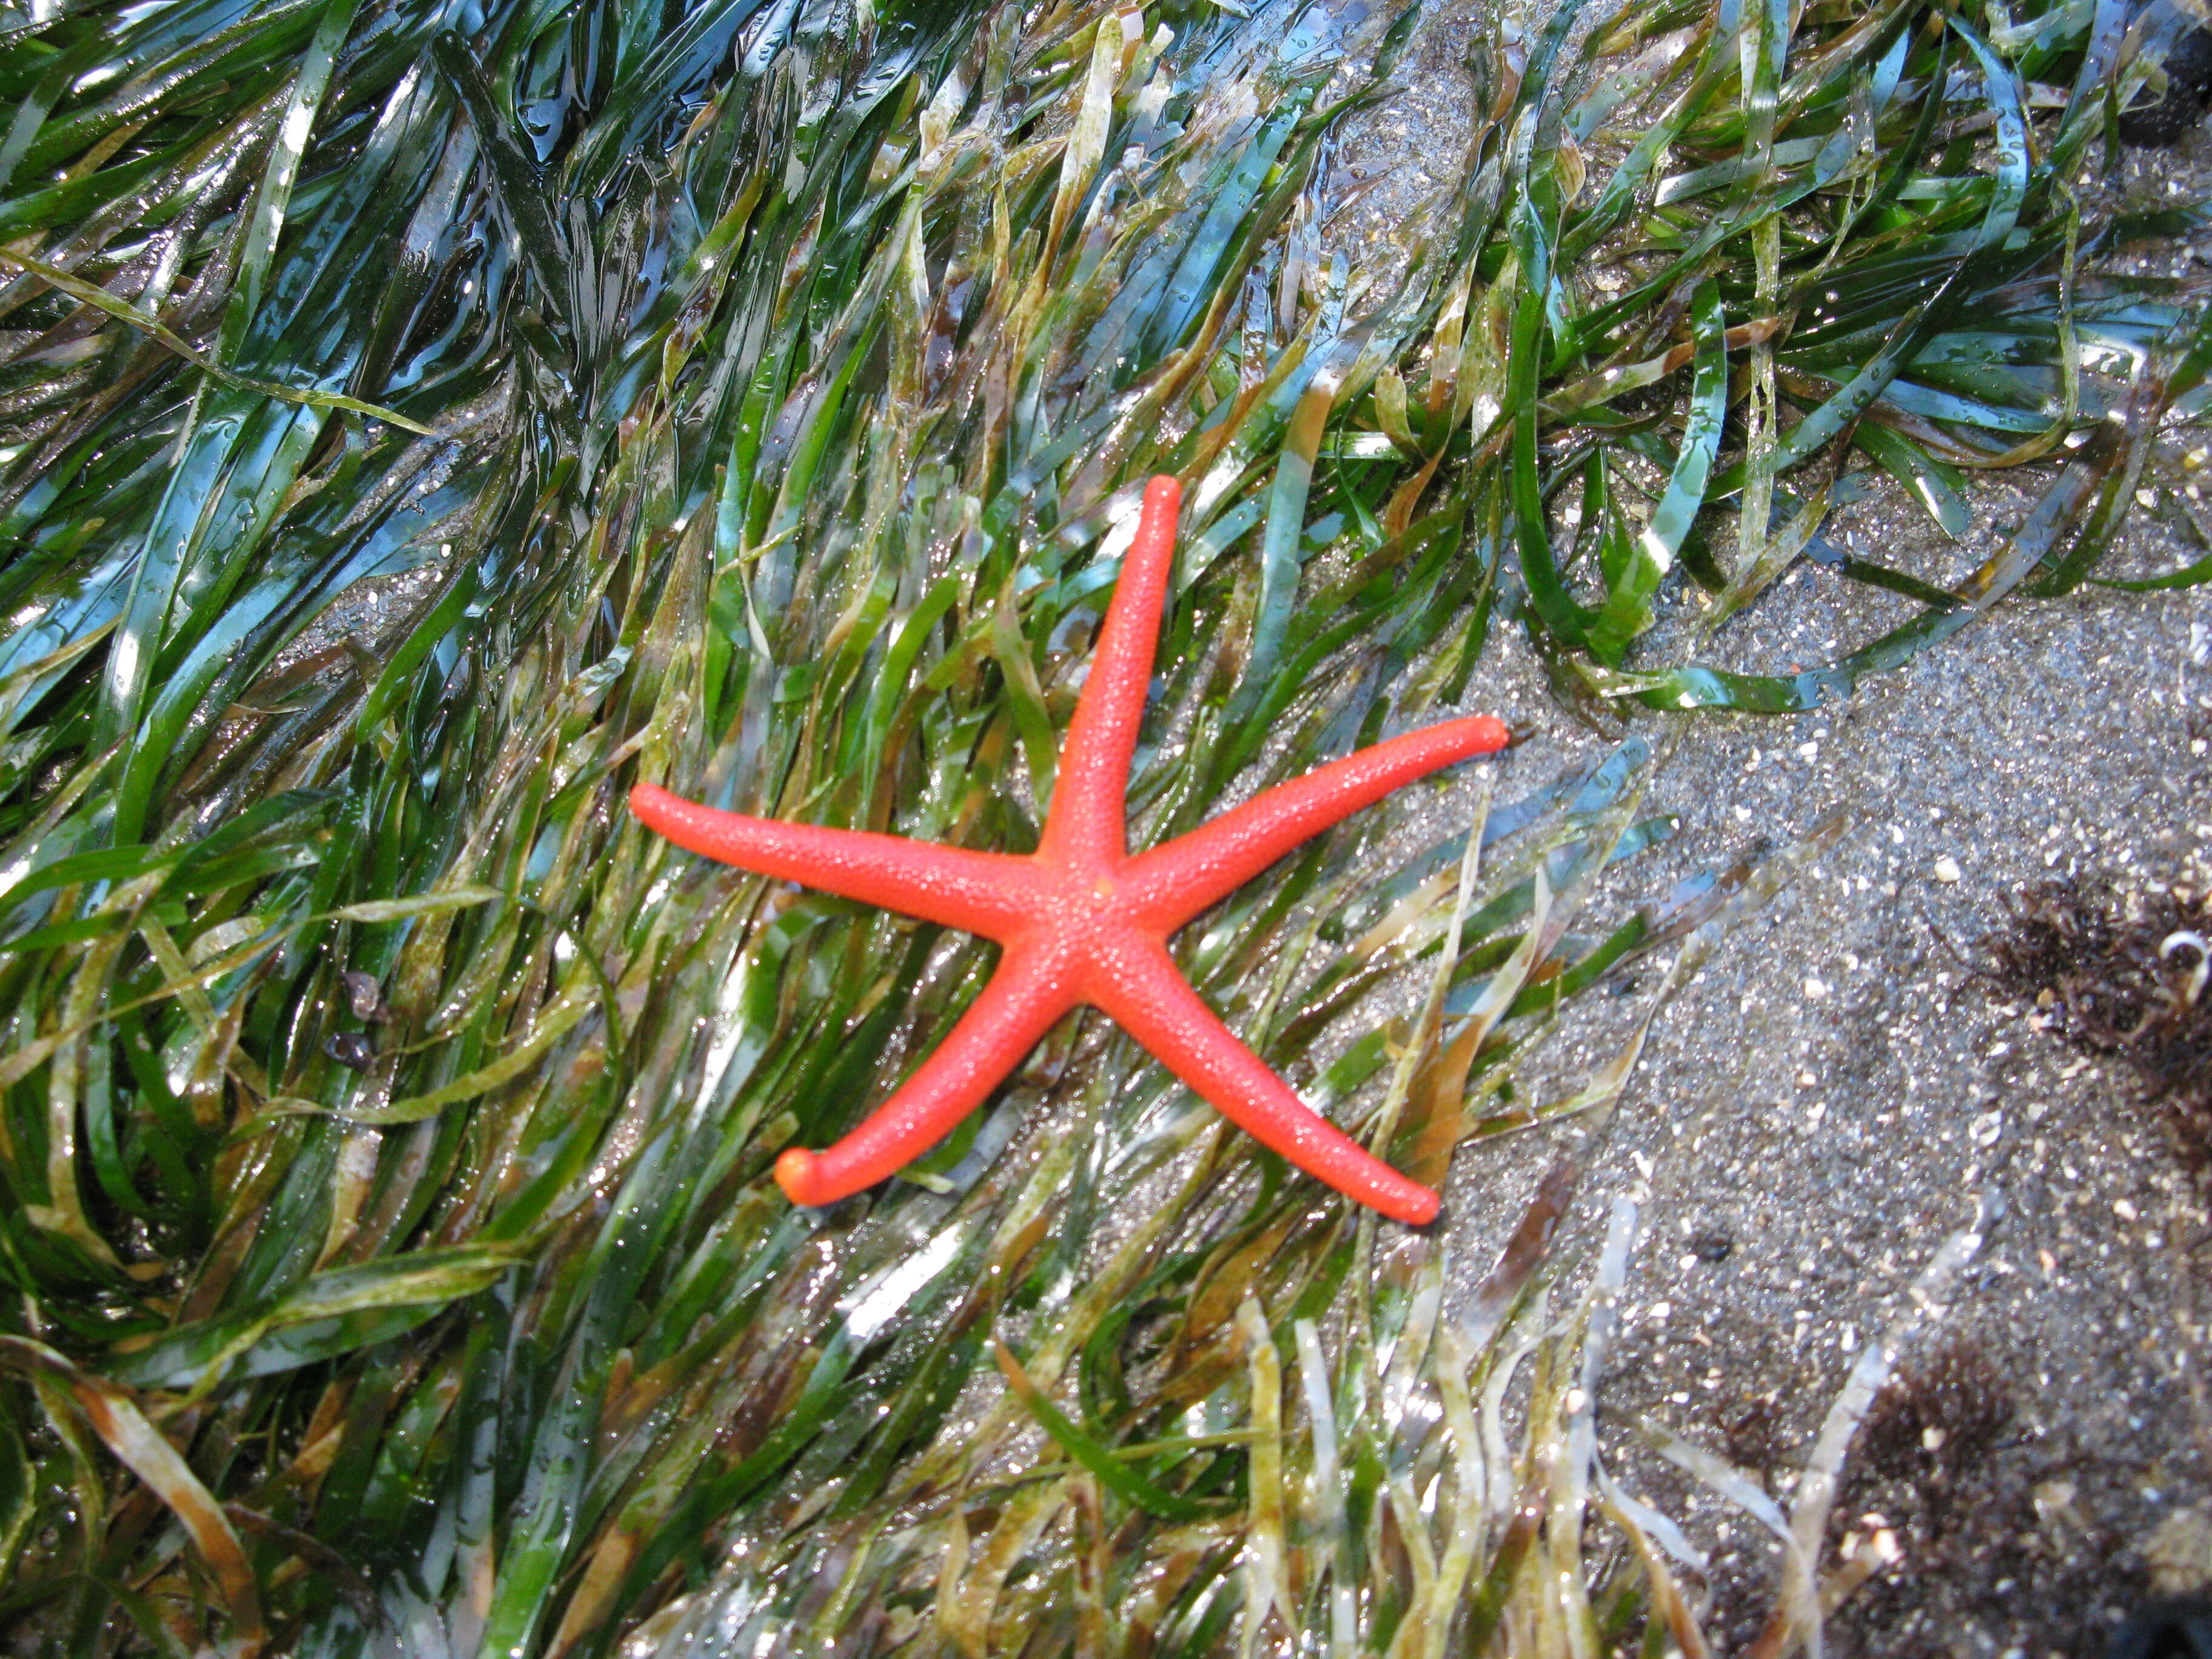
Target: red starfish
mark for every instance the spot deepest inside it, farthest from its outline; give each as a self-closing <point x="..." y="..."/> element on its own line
<point x="1080" y="920"/>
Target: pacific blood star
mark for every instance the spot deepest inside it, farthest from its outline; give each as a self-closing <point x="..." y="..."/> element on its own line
<point x="1081" y="920"/>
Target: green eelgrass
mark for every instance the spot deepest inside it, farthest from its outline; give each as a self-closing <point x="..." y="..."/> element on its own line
<point x="387" y="1119"/>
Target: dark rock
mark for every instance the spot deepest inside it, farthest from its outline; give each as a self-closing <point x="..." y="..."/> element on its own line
<point x="2181" y="1629"/>
<point x="2178" y="40"/>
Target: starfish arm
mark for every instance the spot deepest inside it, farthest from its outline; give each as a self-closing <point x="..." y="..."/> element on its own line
<point x="1151" y="1002"/>
<point x="996" y="1034"/>
<point x="1088" y="807"/>
<point x="1170" y="885"/>
<point x="977" y="892"/>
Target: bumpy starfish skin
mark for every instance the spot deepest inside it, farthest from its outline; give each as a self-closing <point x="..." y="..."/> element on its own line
<point x="1081" y="920"/>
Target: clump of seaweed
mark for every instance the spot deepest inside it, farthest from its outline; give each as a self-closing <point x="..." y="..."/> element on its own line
<point x="1981" y="1509"/>
<point x="1937" y="1420"/>
<point x="2123" y="974"/>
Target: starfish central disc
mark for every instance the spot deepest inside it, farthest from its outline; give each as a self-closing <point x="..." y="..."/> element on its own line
<point x="1083" y="921"/>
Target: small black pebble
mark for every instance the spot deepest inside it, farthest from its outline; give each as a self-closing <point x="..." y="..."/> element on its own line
<point x="350" y="1049"/>
<point x="2181" y="1629"/>
<point x="1711" y="1247"/>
